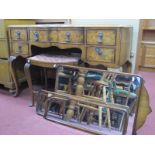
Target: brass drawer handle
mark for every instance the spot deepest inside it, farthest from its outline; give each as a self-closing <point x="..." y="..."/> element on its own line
<point x="100" y="37"/>
<point x="36" y="36"/>
<point x="98" y="51"/>
<point x="67" y="38"/>
<point x="18" y="34"/>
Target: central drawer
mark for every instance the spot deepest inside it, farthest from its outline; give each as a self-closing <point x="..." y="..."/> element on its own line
<point x="71" y="35"/>
<point x="101" y="54"/>
<point x="101" y="36"/>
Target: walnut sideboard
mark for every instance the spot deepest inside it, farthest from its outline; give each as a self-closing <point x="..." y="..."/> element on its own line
<point x="108" y="45"/>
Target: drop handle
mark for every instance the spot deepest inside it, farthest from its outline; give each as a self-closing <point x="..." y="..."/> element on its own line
<point x="98" y="51"/>
<point x="18" y="34"/>
<point x="67" y="38"/>
<point x="100" y="37"/>
<point x="36" y="36"/>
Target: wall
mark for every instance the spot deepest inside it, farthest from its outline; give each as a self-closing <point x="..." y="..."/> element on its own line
<point x="132" y="22"/>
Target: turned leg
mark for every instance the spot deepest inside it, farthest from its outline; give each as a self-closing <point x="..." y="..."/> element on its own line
<point x="79" y="92"/>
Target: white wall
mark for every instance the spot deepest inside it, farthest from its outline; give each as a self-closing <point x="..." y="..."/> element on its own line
<point x="132" y="22"/>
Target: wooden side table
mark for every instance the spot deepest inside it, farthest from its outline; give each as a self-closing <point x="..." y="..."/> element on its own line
<point x="46" y="61"/>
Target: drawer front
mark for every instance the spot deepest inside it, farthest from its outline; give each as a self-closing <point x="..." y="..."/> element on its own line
<point x="53" y="36"/>
<point x="100" y="54"/>
<point x="2" y="33"/>
<point x="4" y="53"/>
<point x="71" y="36"/>
<point x="39" y="35"/>
<point x="148" y="56"/>
<point x="19" y="34"/>
<point x="19" y="48"/>
<point x="2" y="29"/>
<point x="4" y="69"/>
<point x="103" y="37"/>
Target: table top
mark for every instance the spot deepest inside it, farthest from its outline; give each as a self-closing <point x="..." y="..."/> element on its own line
<point x="69" y="25"/>
<point x="48" y="60"/>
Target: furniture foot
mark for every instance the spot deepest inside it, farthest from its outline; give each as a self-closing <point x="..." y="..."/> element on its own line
<point x="12" y="61"/>
<point x="29" y="80"/>
<point x="127" y="67"/>
<point x="12" y="92"/>
<point x="16" y="69"/>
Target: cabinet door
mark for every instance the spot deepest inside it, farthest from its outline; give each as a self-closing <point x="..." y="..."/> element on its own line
<point x="19" y="34"/>
<point x="71" y="35"/>
<point x="4" y="49"/>
<point x="101" y="36"/>
<point x="100" y="54"/>
<point x="148" y="56"/>
<point x="4" y="69"/>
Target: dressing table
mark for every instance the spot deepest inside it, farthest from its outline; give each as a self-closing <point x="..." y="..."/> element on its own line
<point x="109" y="45"/>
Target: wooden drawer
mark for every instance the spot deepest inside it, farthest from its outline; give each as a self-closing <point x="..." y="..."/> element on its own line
<point x="44" y="35"/>
<point x="39" y="35"/>
<point x="100" y="54"/>
<point x="4" y="53"/>
<point x="19" y="48"/>
<point x="19" y="34"/>
<point x="4" y="69"/>
<point x="53" y="35"/>
<point x="102" y="37"/>
<point x="71" y="35"/>
<point x="148" y="56"/>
